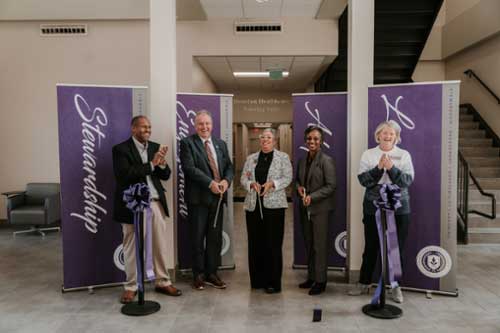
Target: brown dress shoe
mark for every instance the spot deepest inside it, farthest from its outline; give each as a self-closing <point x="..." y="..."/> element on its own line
<point x="214" y="281"/>
<point x="168" y="290"/>
<point x="198" y="283"/>
<point x="128" y="296"/>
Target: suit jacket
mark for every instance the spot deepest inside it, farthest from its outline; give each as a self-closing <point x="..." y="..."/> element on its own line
<point x="280" y="172"/>
<point x="320" y="183"/>
<point x="195" y="165"/>
<point x="129" y="169"/>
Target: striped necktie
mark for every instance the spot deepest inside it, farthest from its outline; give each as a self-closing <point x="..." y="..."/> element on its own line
<point x="211" y="161"/>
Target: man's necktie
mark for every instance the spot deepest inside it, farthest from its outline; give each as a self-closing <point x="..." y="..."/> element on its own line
<point x="211" y="161"/>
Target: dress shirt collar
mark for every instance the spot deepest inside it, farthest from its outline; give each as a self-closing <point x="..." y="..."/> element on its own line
<point x="139" y="145"/>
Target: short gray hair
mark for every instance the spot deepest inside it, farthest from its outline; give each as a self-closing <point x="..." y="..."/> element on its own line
<point x="271" y="130"/>
<point x="391" y="124"/>
<point x="203" y="112"/>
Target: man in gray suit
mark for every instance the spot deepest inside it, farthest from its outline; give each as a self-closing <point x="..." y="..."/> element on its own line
<point x="316" y="183"/>
<point x="206" y="162"/>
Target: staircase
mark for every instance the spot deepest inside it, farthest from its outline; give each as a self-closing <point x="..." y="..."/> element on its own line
<point x="401" y="31"/>
<point x="479" y="146"/>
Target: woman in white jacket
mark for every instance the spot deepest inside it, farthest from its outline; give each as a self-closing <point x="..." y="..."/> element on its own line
<point x="265" y="176"/>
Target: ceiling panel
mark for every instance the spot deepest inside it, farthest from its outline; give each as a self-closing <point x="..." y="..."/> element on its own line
<point x="222" y="8"/>
<point x="303" y="69"/>
<point x="300" y="8"/>
<point x="268" y="9"/>
<point x="276" y="62"/>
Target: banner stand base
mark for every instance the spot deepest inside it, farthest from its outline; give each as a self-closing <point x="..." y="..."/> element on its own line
<point x="330" y="268"/>
<point x="387" y="311"/>
<point x="136" y="309"/>
<point x="91" y="288"/>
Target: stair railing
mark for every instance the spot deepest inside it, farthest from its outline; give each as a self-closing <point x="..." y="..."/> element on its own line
<point x="470" y="73"/>
<point x="464" y="172"/>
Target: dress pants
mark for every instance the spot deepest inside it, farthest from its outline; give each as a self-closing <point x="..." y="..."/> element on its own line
<point x="315" y="231"/>
<point x="160" y="249"/>
<point x="372" y="246"/>
<point x="265" y="242"/>
<point x="206" y="240"/>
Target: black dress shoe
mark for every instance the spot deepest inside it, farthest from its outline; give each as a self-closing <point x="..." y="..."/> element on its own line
<point x="271" y="290"/>
<point x="306" y="284"/>
<point x="317" y="288"/>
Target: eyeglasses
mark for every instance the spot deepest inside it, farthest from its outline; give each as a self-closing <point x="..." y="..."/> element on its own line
<point x="265" y="137"/>
<point x="313" y="138"/>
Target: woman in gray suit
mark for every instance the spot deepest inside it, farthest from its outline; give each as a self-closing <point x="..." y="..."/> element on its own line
<point x="265" y="176"/>
<point x="316" y="185"/>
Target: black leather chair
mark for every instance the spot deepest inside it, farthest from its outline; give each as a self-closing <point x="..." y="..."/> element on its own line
<point x="39" y="206"/>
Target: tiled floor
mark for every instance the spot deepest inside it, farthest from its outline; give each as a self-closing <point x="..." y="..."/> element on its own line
<point x="31" y="301"/>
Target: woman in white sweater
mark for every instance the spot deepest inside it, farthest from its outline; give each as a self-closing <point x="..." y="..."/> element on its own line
<point x="384" y="164"/>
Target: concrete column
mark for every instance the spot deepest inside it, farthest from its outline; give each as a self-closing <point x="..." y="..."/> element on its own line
<point x="360" y="76"/>
<point x="162" y="92"/>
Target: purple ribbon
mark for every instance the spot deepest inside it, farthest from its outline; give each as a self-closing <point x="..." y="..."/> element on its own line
<point x="389" y="202"/>
<point x="138" y="200"/>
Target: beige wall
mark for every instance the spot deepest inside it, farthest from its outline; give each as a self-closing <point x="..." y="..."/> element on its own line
<point x="484" y="59"/>
<point x="429" y="71"/>
<point x="202" y="83"/>
<point x="73" y="9"/>
<point x="475" y="24"/>
<point x="455" y="8"/>
<point x="301" y="36"/>
<point x="30" y="67"/>
<point x="262" y="107"/>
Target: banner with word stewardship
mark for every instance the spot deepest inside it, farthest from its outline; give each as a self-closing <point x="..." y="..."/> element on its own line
<point x="329" y="112"/>
<point x="92" y="119"/>
<point x="221" y="108"/>
<point x="428" y="116"/>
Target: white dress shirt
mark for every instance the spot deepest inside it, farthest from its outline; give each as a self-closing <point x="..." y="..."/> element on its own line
<point x="212" y="148"/>
<point x="143" y="152"/>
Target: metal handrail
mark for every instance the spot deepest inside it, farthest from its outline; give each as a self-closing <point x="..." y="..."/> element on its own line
<point x="464" y="172"/>
<point x="493" y="214"/>
<point x="470" y="73"/>
<point x="462" y="195"/>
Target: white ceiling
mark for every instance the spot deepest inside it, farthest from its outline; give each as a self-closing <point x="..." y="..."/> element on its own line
<point x="304" y="70"/>
<point x="258" y="9"/>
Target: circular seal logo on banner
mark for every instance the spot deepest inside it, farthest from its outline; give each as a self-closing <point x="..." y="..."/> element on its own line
<point x="434" y="261"/>
<point x="341" y="244"/>
<point x="119" y="258"/>
<point x="226" y="243"/>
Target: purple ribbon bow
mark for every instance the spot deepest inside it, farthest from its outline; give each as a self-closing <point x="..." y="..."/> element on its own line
<point x="138" y="199"/>
<point x="389" y="202"/>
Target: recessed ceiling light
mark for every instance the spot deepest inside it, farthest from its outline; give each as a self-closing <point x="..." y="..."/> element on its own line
<point x="255" y="74"/>
<point x="262" y="1"/>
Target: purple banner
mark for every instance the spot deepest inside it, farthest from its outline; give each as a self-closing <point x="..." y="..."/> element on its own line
<point x="187" y="106"/>
<point x="418" y="110"/>
<point x="328" y="111"/>
<point x="91" y="121"/>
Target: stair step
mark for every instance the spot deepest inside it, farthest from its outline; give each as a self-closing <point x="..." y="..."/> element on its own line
<point x="475" y="196"/>
<point x="486" y="172"/>
<point x="480" y="151"/>
<point x="474" y="142"/>
<point x="484" y="235"/>
<point x="468" y="125"/>
<point x="489" y="183"/>
<point x="484" y="207"/>
<point x="472" y="133"/>
<point x="465" y="117"/>
<point x="483" y="161"/>
<point x="484" y="238"/>
<point x="475" y="221"/>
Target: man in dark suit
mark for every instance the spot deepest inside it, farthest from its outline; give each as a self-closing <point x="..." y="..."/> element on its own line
<point x="205" y="161"/>
<point x="134" y="161"/>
